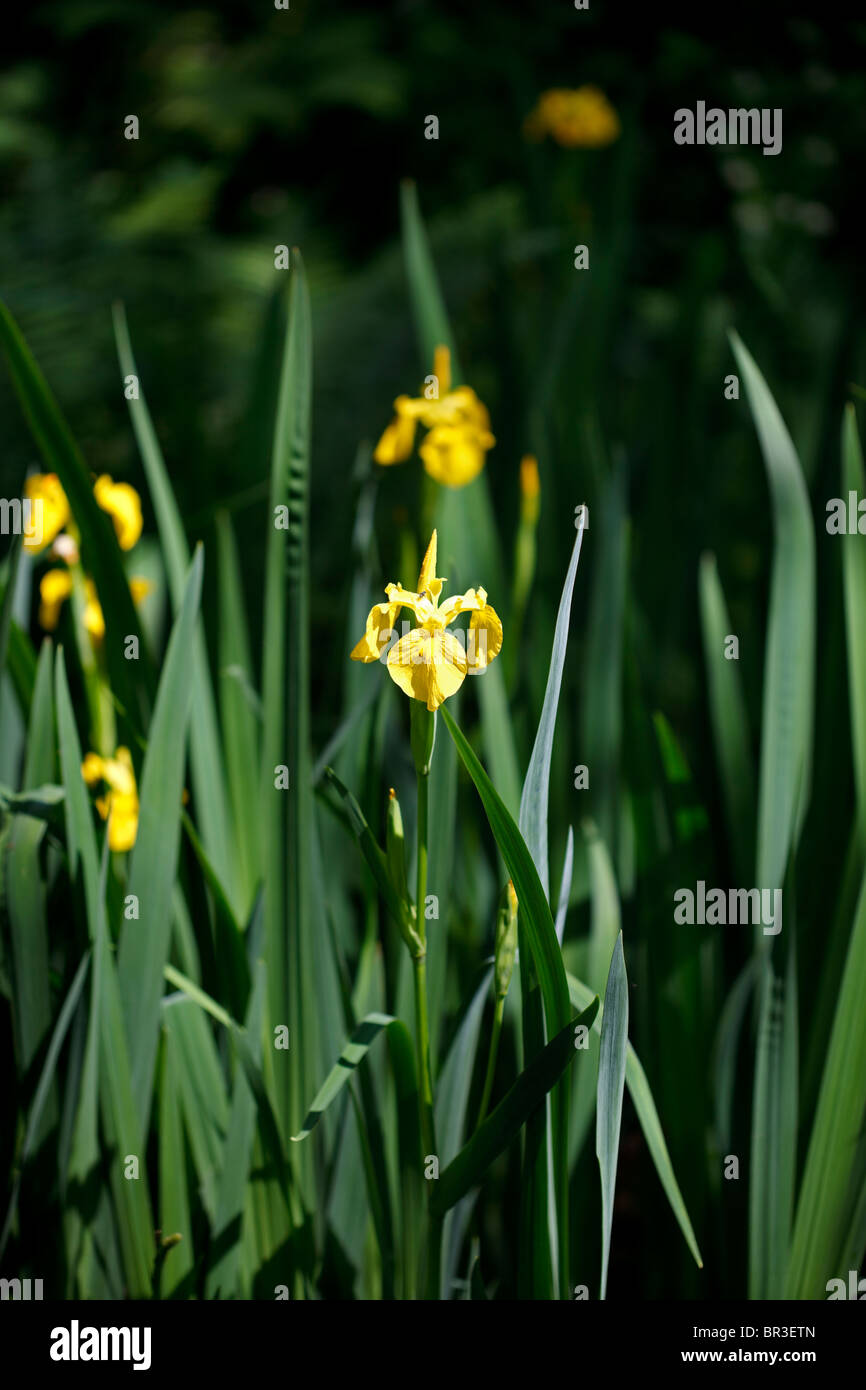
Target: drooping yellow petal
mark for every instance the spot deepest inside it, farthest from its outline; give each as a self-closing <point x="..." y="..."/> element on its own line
<point x="93" y="619"/>
<point x="93" y="769"/>
<point x="413" y="407"/>
<point x="484" y="639"/>
<point x="428" y="666"/>
<point x="123" y="505"/>
<point x="122" y="822"/>
<point x="442" y="368"/>
<point x="397" y="441"/>
<point x="119" y="772"/>
<point x="380" y="629"/>
<point x="48" y="501"/>
<point x="452" y="455"/>
<point x="119" y="802"/>
<point x="55" y="586"/>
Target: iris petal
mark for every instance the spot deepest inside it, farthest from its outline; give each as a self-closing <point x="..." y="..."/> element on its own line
<point x="484" y="640"/>
<point x="380" y="627"/>
<point x="428" y="666"/>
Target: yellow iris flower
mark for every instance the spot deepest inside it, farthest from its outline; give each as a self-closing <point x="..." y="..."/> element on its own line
<point x="55" y="586"/>
<point x="582" y="116"/>
<point x="458" y="429"/>
<point x="47" y="489"/>
<point x="123" y="505"/>
<point x="119" y="803"/>
<point x="430" y="663"/>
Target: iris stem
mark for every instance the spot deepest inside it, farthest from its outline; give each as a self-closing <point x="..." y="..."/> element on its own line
<point x="420" y="972"/>
<point x="498" y="1013"/>
<point x="422" y="1032"/>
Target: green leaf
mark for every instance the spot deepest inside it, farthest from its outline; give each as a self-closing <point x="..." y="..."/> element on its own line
<point x="376" y="858"/>
<point x="223" y="1275"/>
<point x="79" y="1182"/>
<point x="21" y="667"/>
<point x="431" y="316"/>
<point x="725" y="1060"/>
<point x="604" y="930"/>
<point x="174" y="1204"/>
<point x="469" y="549"/>
<point x="533" y="801"/>
<point x="100" y="554"/>
<point x="774" y="1131"/>
<point x="120" y="1118"/>
<point x="611" y="1083"/>
<point x="854" y="588"/>
<point x="786" y="727"/>
<point x="238" y="718"/>
<point x="45" y="1086"/>
<point x="354" y="1052"/>
<point x="455" y="1079"/>
<point x="601" y="720"/>
<point x="202" y="1090"/>
<point x="537" y="928"/>
<point x="42" y="803"/>
<point x="209" y="789"/>
<point x="144" y="943"/>
<point x="534" y="907"/>
<point x="512" y="1112"/>
<point x="729" y="720"/>
<point x="645" y="1107"/>
<point x="786" y="756"/>
<point x="834" y="1170"/>
<point x="232" y="969"/>
<point x="285" y="696"/>
<point x="8" y="601"/>
<point x="28" y="936"/>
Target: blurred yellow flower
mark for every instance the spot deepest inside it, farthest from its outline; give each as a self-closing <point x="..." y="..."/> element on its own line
<point x="582" y="116"/>
<point x="119" y="802"/>
<point x="55" y="586"/>
<point x="93" y="618"/>
<point x="530" y="489"/>
<point x="429" y="663"/>
<point x="139" y="588"/>
<point x="123" y="505"/>
<point x="458" y="425"/>
<point x="46" y="488"/>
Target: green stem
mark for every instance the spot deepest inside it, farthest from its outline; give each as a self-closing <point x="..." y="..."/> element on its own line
<point x="434" y="1258"/>
<point x="420" y="972"/>
<point x="498" y="1012"/>
<point x="423" y="1047"/>
<point x="422" y="1034"/>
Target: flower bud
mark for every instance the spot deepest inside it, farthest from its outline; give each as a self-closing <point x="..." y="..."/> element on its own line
<point x="506" y="940"/>
<point x="395" y="845"/>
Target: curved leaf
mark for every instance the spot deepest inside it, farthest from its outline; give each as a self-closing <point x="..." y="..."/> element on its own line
<point x="611" y="1083"/>
<point x="512" y="1112"/>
